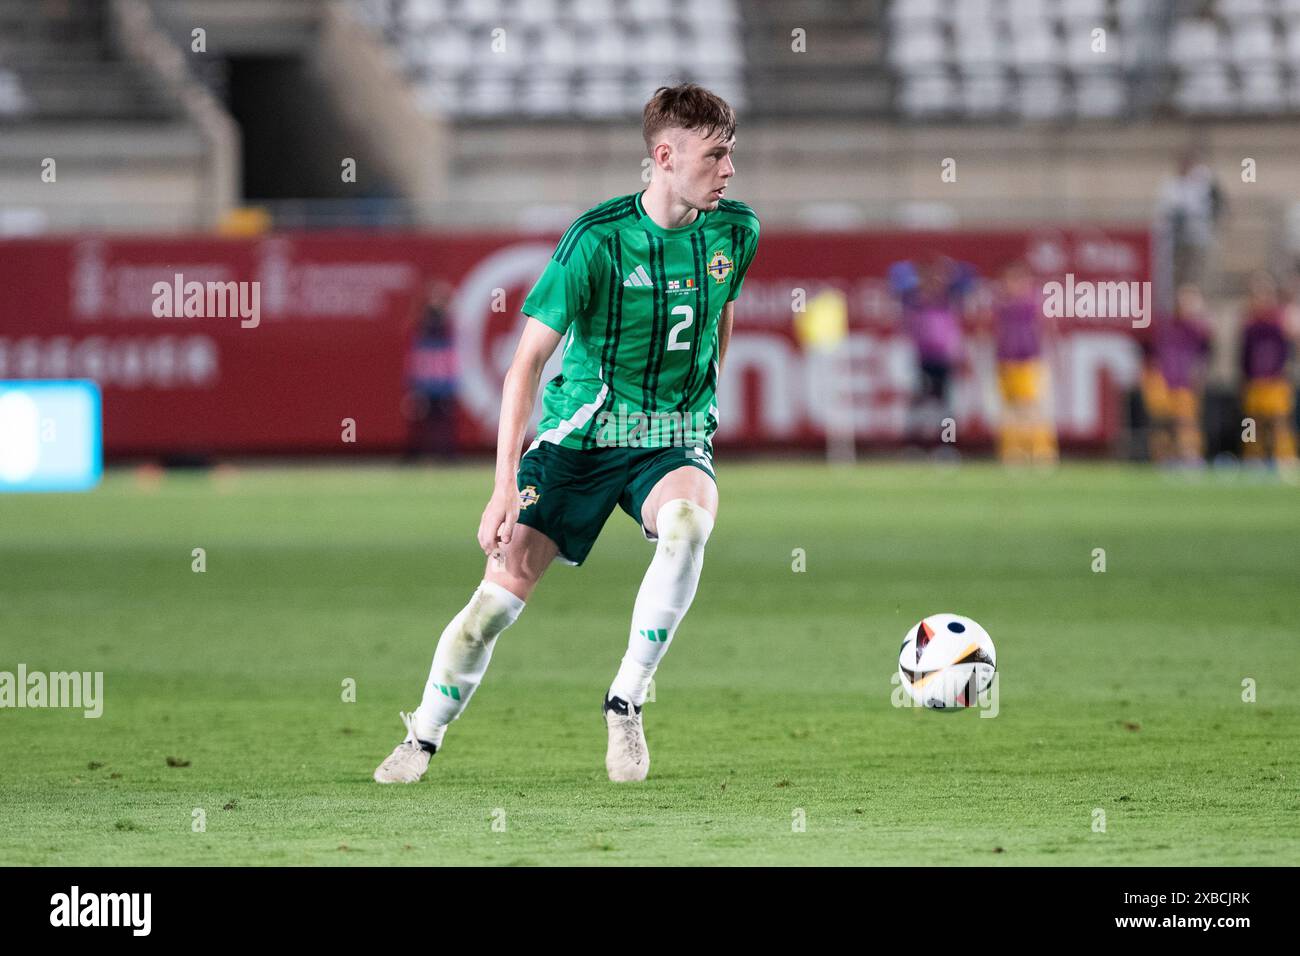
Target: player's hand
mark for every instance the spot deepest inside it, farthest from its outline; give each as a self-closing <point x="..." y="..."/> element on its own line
<point x="497" y="526"/>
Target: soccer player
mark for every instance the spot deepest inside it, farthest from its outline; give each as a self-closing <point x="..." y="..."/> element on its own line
<point x="1026" y="432"/>
<point x="641" y="289"/>
<point x="1174" y="380"/>
<point x="1267" y="395"/>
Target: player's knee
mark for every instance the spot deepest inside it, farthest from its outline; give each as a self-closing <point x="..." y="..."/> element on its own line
<point x="492" y="609"/>
<point x="683" y="522"/>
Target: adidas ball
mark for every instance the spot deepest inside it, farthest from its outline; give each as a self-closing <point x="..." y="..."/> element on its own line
<point x="946" y="662"/>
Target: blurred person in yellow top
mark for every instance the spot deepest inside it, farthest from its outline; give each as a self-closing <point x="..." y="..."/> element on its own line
<point x="1268" y="397"/>
<point x="1027" y="432"/>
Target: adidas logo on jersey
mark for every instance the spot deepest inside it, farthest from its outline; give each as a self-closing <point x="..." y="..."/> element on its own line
<point x="638" y="277"/>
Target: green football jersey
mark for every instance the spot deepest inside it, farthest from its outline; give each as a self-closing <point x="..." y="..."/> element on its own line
<point x="640" y="306"/>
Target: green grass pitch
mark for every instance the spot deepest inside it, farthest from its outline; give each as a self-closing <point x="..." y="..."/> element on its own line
<point x="1121" y="693"/>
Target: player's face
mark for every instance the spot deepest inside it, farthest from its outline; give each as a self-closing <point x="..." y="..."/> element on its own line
<point x="704" y="168"/>
<point x="1019" y="283"/>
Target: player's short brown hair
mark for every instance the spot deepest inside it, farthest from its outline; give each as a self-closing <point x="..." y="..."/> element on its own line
<point x="687" y="106"/>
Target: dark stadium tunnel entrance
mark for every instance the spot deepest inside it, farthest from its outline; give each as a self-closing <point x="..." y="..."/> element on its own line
<point x="293" y="136"/>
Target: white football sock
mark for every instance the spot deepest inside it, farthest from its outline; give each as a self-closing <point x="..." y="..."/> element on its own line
<point x="461" y="658"/>
<point x="666" y="593"/>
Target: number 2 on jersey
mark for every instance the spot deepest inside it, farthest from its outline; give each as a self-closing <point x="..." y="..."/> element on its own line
<point x="673" y="344"/>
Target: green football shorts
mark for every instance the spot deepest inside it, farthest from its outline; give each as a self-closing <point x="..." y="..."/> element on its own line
<point x="568" y="493"/>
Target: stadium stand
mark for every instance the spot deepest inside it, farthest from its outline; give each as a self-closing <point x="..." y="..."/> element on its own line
<point x="558" y="59"/>
<point x="60" y="63"/>
<point x="863" y="96"/>
<point x="88" y="85"/>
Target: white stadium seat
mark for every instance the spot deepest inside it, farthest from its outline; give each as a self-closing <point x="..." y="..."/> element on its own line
<point x="1036" y="49"/>
<point x="1262" y="91"/>
<point x="558" y="48"/>
<point x="928" y="94"/>
<point x="918" y="47"/>
<point x="537" y="11"/>
<point x="985" y="93"/>
<point x="1080" y="55"/>
<point x="604" y="45"/>
<point x="657" y="46"/>
<point x="917" y="11"/>
<point x="1194" y="43"/>
<point x="1031" y="13"/>
<point x="480" y="11"/>
<point x="591" y="10"/>
<point x="981" y="12"/>
<point x="424" y="14"/>
<point x="1253" y="42"/>
<point x="1090" y="12"/>
<point x="1293" y="45"/>
<point x="649" y="11"/>
<point x="1099" y="97"/>
<point x="978" y="46"/>
<point x="1042" y="96"/>
<point x="451" y="48"/>
<point x="1205" y="91"/>
<point x="1233" y="10"/>
<point x="599" y="96"/>
<point x="547" y="92"/>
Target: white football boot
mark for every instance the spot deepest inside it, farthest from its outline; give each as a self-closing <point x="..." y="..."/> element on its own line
<point x="409" y="759"/>
<point x="628" y="757"/>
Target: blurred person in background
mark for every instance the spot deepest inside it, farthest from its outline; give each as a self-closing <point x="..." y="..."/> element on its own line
<point x="1267" y="394"/>
<point x="1173" y="381"/>
<point x="1190" y="207"/>
<point x="1026" y="432"/>
<point x="931" y="296"/>
<point x="431" y="377"/>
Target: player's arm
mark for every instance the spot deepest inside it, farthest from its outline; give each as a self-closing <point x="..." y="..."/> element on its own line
<point x="724" y="332"/>
<point x="518" y="395"/>
<point x="727" y="317"/>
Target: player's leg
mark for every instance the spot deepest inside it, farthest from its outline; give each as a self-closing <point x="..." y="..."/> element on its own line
<point x="1187" y="432"/>
<point x="679" y="511"/>
<point x="465" y="648"/>
<point x="1039" y="435"/>
<point x="1015" y="433"/>
<point x="1281" y="406"/>
<point x="919" y="405"/>
<point x="1160" y="439"/>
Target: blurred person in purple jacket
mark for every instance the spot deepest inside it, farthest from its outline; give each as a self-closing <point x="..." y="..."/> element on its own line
<point x="1026" y="432"/>
<point x="931" y="297"/>
<point x="1174" y="380"/>
<point x="1268" y="397"/>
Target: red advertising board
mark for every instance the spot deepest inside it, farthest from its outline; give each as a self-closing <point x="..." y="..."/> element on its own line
<point x="328" y="320"/>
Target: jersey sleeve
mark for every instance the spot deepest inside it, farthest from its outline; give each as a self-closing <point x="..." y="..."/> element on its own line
<point x="744" y="259"/>
<point x="565" y="288"/>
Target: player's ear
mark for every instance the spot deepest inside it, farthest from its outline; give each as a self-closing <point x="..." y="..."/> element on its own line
<point x="664" y="155"/>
